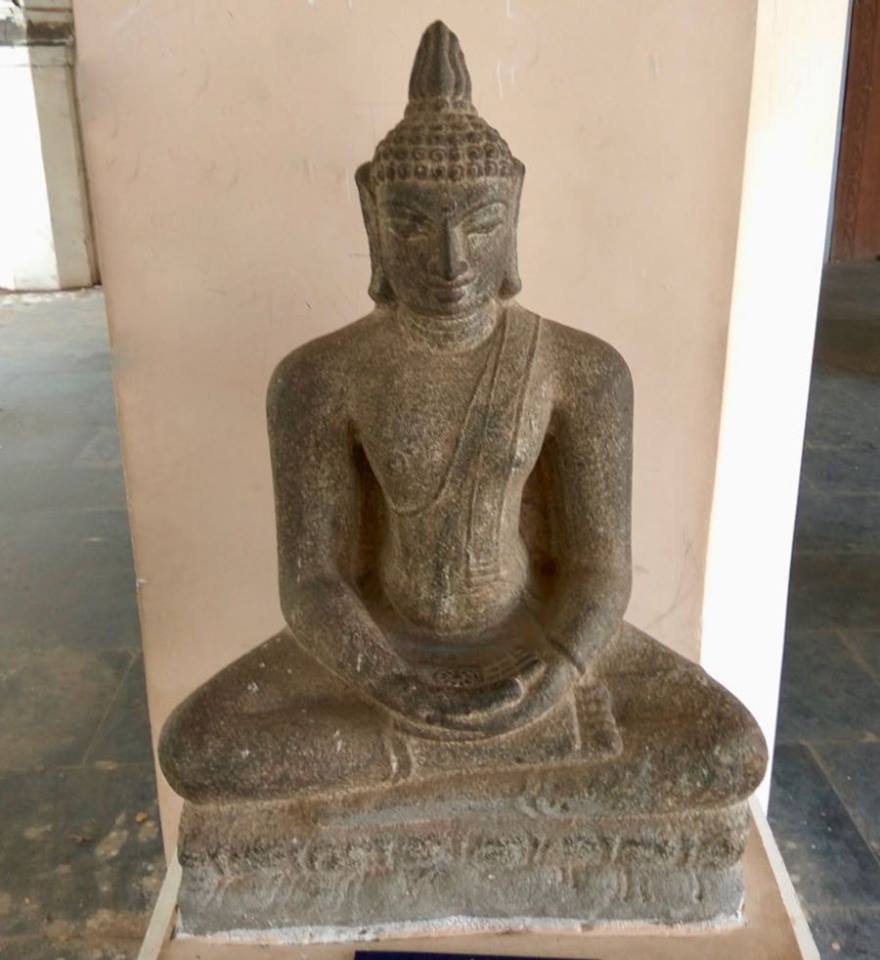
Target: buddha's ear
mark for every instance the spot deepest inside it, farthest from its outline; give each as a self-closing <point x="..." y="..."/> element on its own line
<point x="511" y="284"/>
<point x="380" y="289"/>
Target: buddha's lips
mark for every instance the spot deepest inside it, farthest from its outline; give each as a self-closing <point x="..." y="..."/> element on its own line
<point x="450" y="296"/>
<point x="450" y="292"/>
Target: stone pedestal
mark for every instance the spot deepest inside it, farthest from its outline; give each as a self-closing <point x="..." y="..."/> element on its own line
<point x="771" y="927"/>
<point x="374" y="874"/>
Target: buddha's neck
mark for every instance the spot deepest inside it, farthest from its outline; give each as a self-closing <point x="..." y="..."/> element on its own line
<point x="451" y="333"/>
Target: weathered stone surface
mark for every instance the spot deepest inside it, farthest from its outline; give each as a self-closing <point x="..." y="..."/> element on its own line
<point x="455" y="898"/>
<point x="455" y="726"/>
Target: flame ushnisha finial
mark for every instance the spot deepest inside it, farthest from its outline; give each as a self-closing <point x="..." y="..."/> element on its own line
<point x="439" y="70"/>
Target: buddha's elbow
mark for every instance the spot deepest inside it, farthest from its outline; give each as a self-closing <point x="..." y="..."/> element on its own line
<point x="306" y="601"/>
<point x="609" y="587"/>
<point x="623" y="590"/>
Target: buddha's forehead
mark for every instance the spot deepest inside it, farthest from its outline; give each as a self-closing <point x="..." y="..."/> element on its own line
<point x="444" y="199"/>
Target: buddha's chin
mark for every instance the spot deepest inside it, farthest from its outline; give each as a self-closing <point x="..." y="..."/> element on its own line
<point x="453" y="308"/>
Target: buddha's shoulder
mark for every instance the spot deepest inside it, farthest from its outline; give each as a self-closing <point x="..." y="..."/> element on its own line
<point x="580" y="354"/>
<point x="325" y="363"/>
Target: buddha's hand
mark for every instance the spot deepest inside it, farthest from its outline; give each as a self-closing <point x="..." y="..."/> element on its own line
<point x="513" y="703"/>
<point x="411" y="698"/>
<point x="437" y="709"/>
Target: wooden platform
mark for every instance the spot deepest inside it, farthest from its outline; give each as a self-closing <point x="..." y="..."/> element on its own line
<point x="774" y="929"/>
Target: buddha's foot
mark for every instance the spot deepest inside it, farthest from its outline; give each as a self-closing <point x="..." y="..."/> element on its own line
<point x="598" y="730"/>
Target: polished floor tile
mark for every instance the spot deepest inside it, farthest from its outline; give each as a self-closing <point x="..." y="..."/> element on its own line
<point x="76" y="819"/>
<point x="103" y="862"/>
<point x="842" y="410"/>
<point x="840" y="470"/>
<point x="847" y="934"/>
<point x="61" y="946"/>
<point x="53" y="700"/>
<point x="837" y="523"/>
<point x="825" y="693"/>
<point x="53" y="488"/>
<point x="865" y="647"/>
<point x="825" y="799"/>
<point x="853" y="769"/>
<point x="41" y="548"/>
<point x="90" y="606"/>
<point x="120" y="739"/>
<point x="80" y="848"/>
<point x="827" y="858"/>
<point x="834" y="591"/>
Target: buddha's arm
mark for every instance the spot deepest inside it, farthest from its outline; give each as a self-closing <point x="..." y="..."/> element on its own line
<point x="592" y="450"/>
<point x="317" y="507"/>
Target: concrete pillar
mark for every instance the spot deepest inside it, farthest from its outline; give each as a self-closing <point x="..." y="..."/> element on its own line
<point x="789" y="164"/>
<point x="45" y="228"/>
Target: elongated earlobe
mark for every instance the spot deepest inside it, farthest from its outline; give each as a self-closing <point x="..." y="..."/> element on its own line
<point x="511" y="284"/>
<point x="380" y="289"/>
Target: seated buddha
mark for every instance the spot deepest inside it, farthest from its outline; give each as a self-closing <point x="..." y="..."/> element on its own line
<point x="452" y="481"/>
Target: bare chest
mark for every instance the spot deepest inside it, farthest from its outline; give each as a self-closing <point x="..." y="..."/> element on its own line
<point x="433" y="423"/>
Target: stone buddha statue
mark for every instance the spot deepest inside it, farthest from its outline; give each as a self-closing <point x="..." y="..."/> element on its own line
<point x="456" y="721"/>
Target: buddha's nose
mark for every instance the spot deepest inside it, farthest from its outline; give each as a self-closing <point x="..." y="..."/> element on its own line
<point x="452" y="262"/>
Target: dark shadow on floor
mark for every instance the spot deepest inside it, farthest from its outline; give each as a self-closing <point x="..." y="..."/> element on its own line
<point x="825" y="799"/>
<point x="80" y="851"/>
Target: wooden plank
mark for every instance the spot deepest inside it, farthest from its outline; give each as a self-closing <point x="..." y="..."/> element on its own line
<point x="856" y="234"/>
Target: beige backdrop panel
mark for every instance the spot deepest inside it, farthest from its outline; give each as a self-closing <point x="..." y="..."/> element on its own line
<point x="222" y="140"/>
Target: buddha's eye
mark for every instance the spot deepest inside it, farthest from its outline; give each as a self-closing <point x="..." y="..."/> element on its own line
<point x="484" y="221"/>
<point x="408" y="229"/>
<point x="483" y="228"/>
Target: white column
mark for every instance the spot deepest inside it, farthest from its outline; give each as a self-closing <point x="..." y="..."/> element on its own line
<point x="45" y="230"/>
<point x="799" y="48"/>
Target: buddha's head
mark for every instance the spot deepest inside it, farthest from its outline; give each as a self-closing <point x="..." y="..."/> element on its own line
<point x="441" y="196"/>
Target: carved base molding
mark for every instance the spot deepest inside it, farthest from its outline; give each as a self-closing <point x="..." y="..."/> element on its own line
<point x="477" y="873"/>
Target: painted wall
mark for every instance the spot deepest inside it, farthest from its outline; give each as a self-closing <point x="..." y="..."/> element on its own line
<point x="221" y="143"/>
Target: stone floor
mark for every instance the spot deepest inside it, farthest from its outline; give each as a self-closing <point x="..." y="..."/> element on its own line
<point x="80" y="852"/>
<point x="825" y="800"/>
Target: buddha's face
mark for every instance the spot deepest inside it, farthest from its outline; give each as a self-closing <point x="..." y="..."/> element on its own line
<point x="446" y="247"/>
